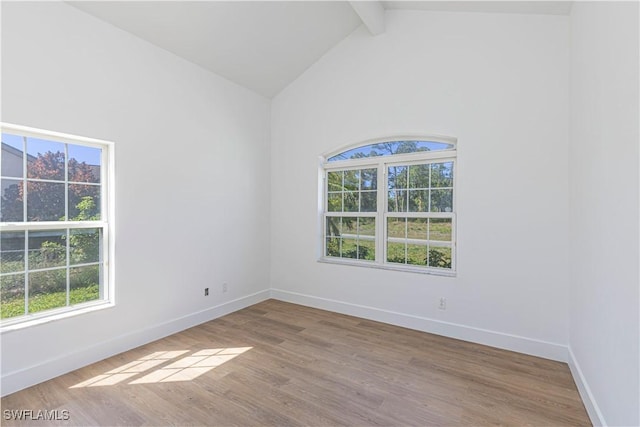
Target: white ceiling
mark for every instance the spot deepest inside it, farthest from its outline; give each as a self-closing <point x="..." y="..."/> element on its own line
<point x="265" y="45"/>
<point x="527" y="7"/>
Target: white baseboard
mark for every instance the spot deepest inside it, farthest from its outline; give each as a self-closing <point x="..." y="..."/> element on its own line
<point x="585" y="392"/>
<point x="496" y="339"/>
<point x="48" y="369"/>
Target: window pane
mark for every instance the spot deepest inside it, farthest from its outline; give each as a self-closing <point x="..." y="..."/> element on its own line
<point x="417" y="228"/>
<point x="441" y="200"/>
<point x="47" y="249"/>
<point x="416" y="254"/>
<point x="84" y="163"/>
<point x="418" y="200"/>
<point x="440" y="257"/>
<point x="334" y="226"/>
<point x="367" y="250"/>
<point x="369" y="179"/>
<point x="440" y="229"/>
<point x="47" y="290"/>
<point x="351" y="201"/>
<point x="368" y="201"/>
<point x="391" y="148"/>
<point x="45" y="201"/>
<point x="12" y="201"/>
<point x="333" y="246"/>
<point x="349" y="248"/>
<point x="45" y="159"/>
<point x="397" y="227"/>
<point x="419" y="176"/>
<point x="396" y="252"/>
<point x="11" y="295"/>
<point x="442" y="174"/>
<point x="350" y="237"/>
<point x="84" y="284"/>
<point x="335" y="202"/>
<point x="84" y="202"/>
<point x="366" y="226"/>
<point x="84" y="245"/>
<point x="397" y="177"/>
<point x="397" y="201"/>
<point x="334" y="181"/>
<point x="12" y="155"/>
<point x="351" y="180"/>
<point x="11" y="251"/>
<point x="349" y="226"/>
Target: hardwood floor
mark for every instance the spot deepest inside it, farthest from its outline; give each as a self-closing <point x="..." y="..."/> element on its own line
<point x="281" y="364"/>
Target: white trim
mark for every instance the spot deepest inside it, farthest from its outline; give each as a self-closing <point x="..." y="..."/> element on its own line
<point x="590" y="404"/>
<point x="539" y="348"/>
<point x="52" y="225"/>
<point x="48" y="369"/>
<point x="410" y="268"/>
<point x="420" y="242"/>
<point x="59" y="137"/>
<point x="338" y="214"/>
<point x="38" y="318"/>
<point x="66" y="266"/>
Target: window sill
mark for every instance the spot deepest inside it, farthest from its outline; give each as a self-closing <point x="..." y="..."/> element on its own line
<point x="403" y="268"/>
<point x="39" y="320"/>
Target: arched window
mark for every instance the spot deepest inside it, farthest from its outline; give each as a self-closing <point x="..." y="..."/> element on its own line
<point x="391" y="204"/>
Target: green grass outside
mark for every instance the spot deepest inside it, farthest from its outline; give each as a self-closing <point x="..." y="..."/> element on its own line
<point x="42" y="302"/>
<point x="418" y="255"/>
<point x="439" y="228"/>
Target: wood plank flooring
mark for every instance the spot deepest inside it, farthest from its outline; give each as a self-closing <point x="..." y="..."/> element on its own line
<point x="281" y="364"/>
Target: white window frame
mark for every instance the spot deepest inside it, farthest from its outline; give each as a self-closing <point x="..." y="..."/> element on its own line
<point x="106" y="224"/>
<point x="382" y="163"/>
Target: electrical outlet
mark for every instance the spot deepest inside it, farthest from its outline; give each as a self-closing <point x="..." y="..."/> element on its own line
<point x="443" y="303"/>
<point x="206" y="292"/>
<point x="225" y="287"/>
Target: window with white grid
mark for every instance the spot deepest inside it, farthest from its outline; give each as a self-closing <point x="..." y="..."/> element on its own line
<point x="54" y="223"/>
<point x="391" y="204"/>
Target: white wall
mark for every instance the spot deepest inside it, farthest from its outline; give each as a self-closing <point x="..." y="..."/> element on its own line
<point x="604" y="297"/>
<point x="499" y="83"/>
<point x="192" y="202"/>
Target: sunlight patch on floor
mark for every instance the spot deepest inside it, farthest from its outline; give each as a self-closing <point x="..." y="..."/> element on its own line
<point x="186" y="368"/>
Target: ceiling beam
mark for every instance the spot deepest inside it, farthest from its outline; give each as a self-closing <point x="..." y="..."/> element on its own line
<point x="372" y="15"/>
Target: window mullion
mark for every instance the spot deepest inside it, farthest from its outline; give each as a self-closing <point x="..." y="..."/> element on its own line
<point x="68" y="249"/>
<point x="24" y="218"/>
<point x="26" y="272"/>
<point x="25" y="193"/>
<point x="104" y="186"/>
<point x="103" y="260"/>
<point x="66" y="182"/>
<point x="381" y="204"/>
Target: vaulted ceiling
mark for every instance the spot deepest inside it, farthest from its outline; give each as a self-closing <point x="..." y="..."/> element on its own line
<point x="265" y="45"/>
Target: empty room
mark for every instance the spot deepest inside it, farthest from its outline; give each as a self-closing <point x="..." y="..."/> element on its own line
<point x="320" y="213"/>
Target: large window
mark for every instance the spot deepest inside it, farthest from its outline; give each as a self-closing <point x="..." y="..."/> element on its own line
<point x="54" y="223"/>
<point x="391" y="204"/>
